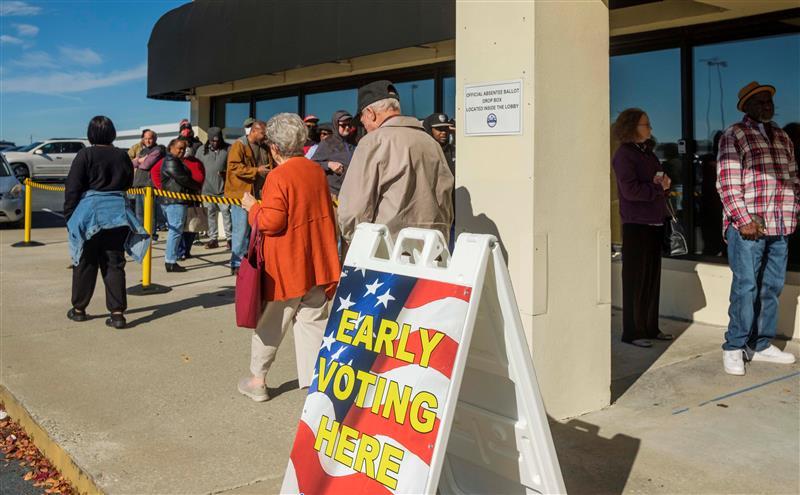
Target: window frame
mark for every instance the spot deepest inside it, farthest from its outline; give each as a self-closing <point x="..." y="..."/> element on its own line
<point x="437" y="72"/>
<point x="686" y="38"/>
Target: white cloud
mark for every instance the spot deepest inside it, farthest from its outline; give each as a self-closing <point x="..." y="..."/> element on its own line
<point x="80" y="56"/>
<point x="10" y="40"/>
<point x="58" y="83"/>
<point x="35" y="60"/>
<point x="13" y="7"/>
<point x="26" y="30"/>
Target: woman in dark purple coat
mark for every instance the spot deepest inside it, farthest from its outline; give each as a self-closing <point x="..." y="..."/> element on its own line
<point x="643" y="188"/>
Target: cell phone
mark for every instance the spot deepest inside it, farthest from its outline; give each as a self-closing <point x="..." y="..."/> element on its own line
<point x="659" y="174"/>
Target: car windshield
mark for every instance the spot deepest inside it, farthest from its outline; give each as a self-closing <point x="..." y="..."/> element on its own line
<point x="5" y="170"/>
<point x="30" y="146"/>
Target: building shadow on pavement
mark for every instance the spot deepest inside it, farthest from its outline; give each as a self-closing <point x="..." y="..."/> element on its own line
<point x="221" y="297"/>
<point x="629" y="362"/>
<point x="589" y="462"/>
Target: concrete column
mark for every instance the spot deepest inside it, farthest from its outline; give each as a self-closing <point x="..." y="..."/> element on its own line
<point x="545" y="193"/>
<point x="200" y="116"/>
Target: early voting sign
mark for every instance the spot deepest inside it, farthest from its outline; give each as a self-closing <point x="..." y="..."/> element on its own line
<point x="383" y="408"/>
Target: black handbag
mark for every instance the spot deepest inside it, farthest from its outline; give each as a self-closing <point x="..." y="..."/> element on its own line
<point x="676" y="244"/>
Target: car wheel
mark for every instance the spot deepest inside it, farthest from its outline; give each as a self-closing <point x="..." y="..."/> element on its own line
<point x="21" y="171"/>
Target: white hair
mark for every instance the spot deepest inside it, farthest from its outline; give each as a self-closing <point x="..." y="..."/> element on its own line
<point x="288" y="132"/>
<point x="385" y="105"/>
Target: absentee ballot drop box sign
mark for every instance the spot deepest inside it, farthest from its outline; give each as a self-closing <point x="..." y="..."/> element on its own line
<point x="423" y="382"/>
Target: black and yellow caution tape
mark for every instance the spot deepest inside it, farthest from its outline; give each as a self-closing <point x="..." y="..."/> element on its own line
<point x="141" y="191"/>
<point x="46" y="187"/>
<point x="197" y="197"/>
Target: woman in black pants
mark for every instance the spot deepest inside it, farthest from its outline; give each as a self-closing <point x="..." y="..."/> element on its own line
<point x="99" y="221"/>
<point x="643" y="188"/>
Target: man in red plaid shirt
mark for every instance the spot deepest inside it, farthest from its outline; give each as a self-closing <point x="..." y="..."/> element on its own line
<point x="759" y="187"/>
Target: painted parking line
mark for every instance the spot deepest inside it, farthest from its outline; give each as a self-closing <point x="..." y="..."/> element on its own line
<point x="738" y="392"/>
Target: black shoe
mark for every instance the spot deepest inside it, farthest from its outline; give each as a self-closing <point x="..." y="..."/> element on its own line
<point x="116" y="321"/>
<point x="174" y="267"/>
<point x="75" y="315"/>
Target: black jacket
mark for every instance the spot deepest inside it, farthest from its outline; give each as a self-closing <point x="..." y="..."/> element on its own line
<point x="176" y="177"/>
<point x="96" y="168"/>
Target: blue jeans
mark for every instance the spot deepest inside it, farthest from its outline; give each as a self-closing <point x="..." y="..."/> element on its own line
<point x="213" y="227"/>
<point x="176" y="215"/>
<point x="759" y="269"/>
<point x="240" y="235"/>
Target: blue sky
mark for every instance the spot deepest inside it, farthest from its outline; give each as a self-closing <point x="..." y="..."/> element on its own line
<point x="62" y="62"/>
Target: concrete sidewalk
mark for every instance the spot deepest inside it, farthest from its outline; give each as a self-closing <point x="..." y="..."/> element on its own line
<point x="154" y="408"/>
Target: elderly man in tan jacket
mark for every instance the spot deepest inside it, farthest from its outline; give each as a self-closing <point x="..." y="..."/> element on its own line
<point x="398" y="175"/>
<point x="243" y="170"/>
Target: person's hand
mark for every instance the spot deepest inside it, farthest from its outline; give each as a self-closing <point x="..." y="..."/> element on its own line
<point x="751" y="231"/>
<point x="662" y="180"/>
<point x="336" y="167"/>
<point x="262" y="170"/>
<point x="248" y="200"/>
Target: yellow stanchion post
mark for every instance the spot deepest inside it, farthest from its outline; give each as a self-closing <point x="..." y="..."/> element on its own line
<point x="148" y="226"/>
<point x="146" y="287"/>
<point x="26" y="242"/>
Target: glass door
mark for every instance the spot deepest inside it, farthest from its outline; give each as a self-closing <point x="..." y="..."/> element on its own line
<point x="652" y="81"/>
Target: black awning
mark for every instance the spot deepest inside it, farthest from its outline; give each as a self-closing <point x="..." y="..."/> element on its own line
<point x="213" y="41"/>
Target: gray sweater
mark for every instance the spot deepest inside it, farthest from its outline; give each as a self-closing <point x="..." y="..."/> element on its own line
<point x="215" y="163"/>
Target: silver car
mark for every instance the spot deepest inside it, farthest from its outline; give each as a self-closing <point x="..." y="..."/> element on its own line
<point x="50" y="159"/>
<point x="11" y="195"/>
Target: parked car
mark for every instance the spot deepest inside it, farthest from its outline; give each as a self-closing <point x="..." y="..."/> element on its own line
<point x="6" y="145"/>
<point x="49" y="159"/>
<point x="11" y="195"/>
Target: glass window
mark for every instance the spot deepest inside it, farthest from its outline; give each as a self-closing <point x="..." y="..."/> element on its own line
<point x="323" y="105"/>
<point x="652" y="81"/>
<point x="236" y="112"/>
<point x="267" y="108"/>
<point x="720" y="70"/>
<point x="5" y="170"/>
<point x="30" y="146"/>
<point x="72" y="147"/>
<point x="416" y="97"/>
<point x="51" y="148"/>
<point x="449" y="96"/>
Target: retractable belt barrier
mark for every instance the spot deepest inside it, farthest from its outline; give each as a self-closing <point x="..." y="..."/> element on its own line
<point x="148" y="193"/>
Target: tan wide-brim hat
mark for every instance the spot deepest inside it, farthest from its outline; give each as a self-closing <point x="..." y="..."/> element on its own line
<point x="752" y="89"/>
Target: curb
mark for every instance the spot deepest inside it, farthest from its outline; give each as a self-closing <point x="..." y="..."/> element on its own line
<point x="57" y="456"/>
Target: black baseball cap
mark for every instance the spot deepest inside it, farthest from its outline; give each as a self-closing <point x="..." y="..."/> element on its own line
<point x="375" y="91"/>
<point x="435" y="120"/>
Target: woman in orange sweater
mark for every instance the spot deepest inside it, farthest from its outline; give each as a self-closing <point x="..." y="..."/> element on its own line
<point x="301" y="260"/>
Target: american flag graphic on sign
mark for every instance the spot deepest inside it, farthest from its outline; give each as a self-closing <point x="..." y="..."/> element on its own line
<point x="372" y="415"/>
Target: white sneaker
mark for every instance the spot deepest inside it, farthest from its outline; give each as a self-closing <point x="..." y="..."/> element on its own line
<point x="773" y="355"/>
<point x="733" y="362"/>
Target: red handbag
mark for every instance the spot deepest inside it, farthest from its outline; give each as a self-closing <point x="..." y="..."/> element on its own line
<point x="250" y="283"/>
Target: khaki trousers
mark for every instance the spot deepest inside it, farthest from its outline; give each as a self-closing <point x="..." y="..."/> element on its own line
<point x="308" y="316"/>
